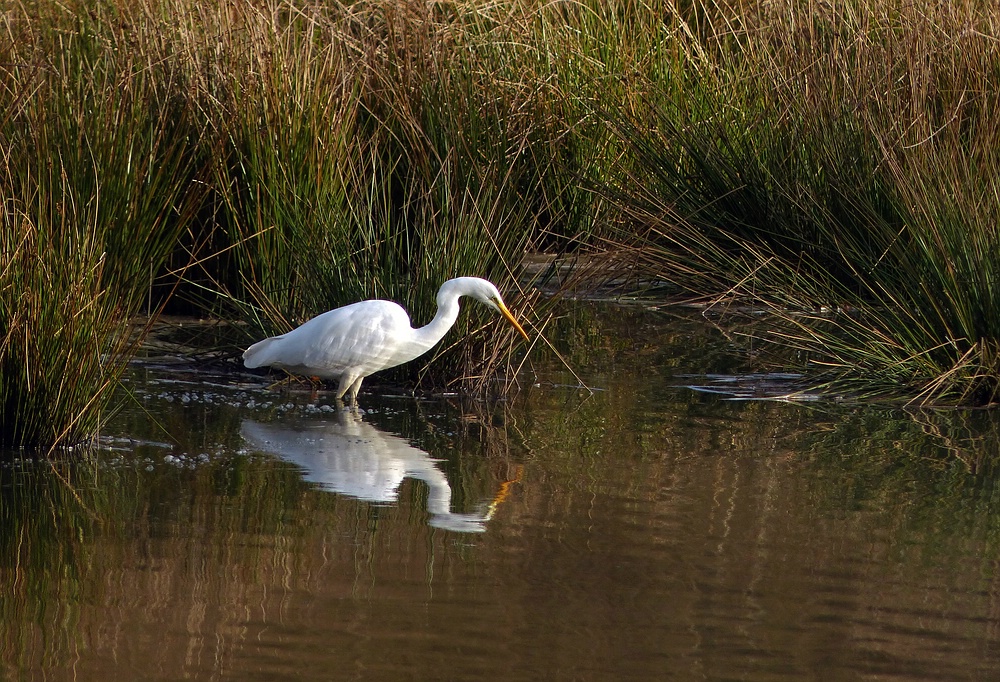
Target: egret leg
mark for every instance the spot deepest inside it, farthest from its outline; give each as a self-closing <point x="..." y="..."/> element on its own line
<point x="350" y="384"/>
<point x="355" y="387"/>
<point x="347" y="381"/>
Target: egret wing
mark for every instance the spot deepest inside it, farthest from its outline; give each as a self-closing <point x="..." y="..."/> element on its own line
<point x="365" y="336"/>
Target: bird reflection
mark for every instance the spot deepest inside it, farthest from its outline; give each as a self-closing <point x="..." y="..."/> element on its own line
<point x="346" y="455"/>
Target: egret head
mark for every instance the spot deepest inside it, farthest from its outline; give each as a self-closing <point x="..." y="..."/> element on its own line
<point x="485" y="292"/>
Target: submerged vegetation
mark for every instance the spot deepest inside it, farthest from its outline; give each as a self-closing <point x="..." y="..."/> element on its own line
<point x="834" y="163"/>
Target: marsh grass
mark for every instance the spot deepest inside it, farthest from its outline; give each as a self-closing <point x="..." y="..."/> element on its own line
<point x="837" y="165"/>
<point x="280" y="158"/>
<point x="96" y="177"/>
<point x="379" y="156"/>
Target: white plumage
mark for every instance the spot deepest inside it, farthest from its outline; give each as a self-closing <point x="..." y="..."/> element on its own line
<point x="348" y="456"/>
<point x="357" y="340"/>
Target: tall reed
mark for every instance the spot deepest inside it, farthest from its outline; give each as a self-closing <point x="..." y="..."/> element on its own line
<point x="840" y="157"/>
<point x="95" y="179"/>
<point x="374" y="151"/>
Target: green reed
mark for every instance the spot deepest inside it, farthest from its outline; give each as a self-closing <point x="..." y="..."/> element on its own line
<point x="95" y="184"/>
<point x="819" y="158"/>
<point x="274" y="160"/>
<point x="368" y="156"/>
<point x="280" y="158"/>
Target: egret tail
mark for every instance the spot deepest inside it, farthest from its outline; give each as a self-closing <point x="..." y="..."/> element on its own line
<point x="262" y="353"/>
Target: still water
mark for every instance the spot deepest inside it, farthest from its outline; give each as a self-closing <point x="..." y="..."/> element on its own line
<point x="652" y="529"/>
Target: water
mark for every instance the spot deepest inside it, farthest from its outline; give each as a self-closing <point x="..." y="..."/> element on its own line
<point x="654" y="529"/>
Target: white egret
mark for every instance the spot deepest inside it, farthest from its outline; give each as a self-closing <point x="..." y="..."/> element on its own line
<point x="357" y="340"/>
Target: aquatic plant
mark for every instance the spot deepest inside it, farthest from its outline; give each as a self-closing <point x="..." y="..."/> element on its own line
<point x="372" y="152"/>
<point x="95" y="179"/>
<point x="299" y="155"/>
<point x="836" y="165"/>
<point x="303" y="155"/>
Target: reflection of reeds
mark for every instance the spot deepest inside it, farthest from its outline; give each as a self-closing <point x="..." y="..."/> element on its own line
<point x="180" y="570"/>
<point x="632" y="495"/>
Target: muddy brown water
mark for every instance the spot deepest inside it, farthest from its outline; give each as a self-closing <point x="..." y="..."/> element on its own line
<point x="669" y="525"/>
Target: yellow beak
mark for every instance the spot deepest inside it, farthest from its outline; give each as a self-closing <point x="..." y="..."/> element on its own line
<point x="510" y="318"/>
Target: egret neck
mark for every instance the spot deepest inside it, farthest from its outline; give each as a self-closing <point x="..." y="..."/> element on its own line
<point x="447" y="313"/>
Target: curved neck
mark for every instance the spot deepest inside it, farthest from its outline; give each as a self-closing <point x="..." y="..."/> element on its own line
<point x="447" y="313"/>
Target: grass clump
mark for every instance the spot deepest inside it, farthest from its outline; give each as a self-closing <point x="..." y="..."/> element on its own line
<point x="303" y="154"/>
<point x="95" y="178"/>
<point x="299" y="155"/>
<point x="822" y="158"/>
<point x="372" y="152"/>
